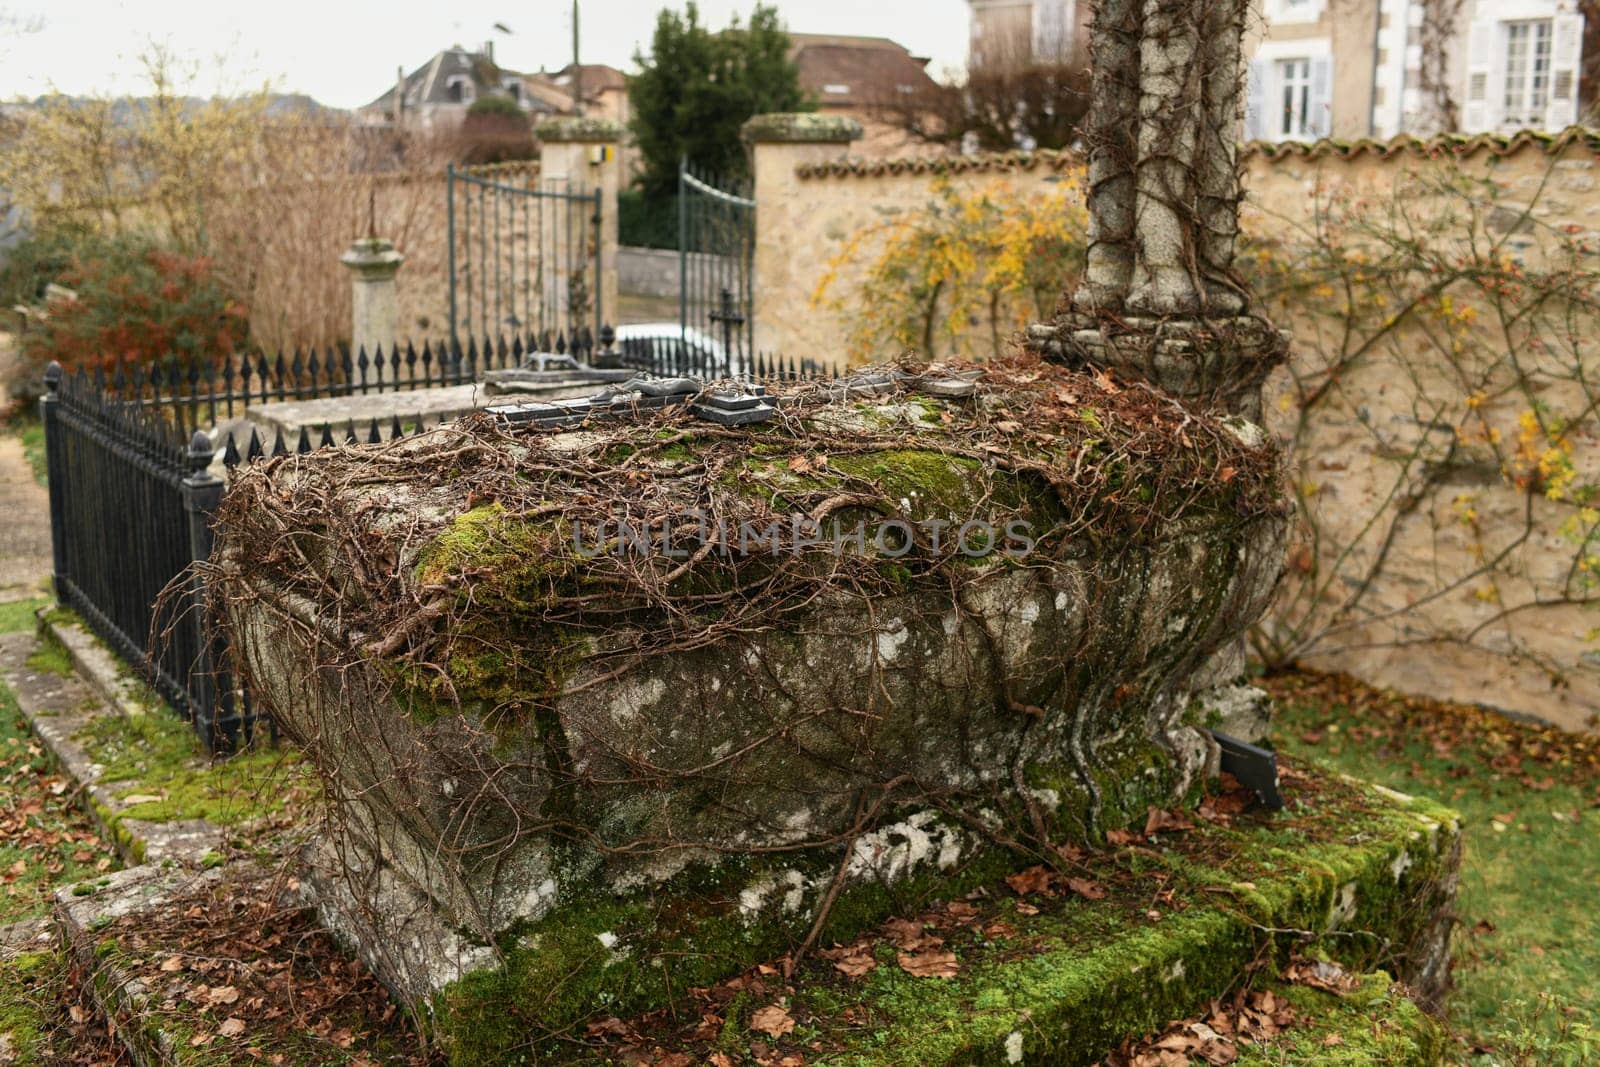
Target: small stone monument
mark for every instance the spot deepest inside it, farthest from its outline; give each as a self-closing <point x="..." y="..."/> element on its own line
<point x="373" y="263"/>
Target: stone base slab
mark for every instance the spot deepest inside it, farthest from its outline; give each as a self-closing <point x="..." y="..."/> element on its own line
<point x="1362" y="874"/>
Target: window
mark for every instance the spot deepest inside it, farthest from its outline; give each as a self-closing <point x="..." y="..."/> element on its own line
<point x="1292" y="12"/>
<point x="1294" y="85"/>
<point x="513" y="88"/>
<point x="459" y="88"/>
<point x="837" y="89"/>
<point x="1527" y="52"/>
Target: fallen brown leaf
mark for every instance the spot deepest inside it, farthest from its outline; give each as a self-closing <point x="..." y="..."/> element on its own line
<point x="1032" y="880"/>
<point x="930" y="964"/>
<point x="1086" y="889"/>
<point x="1159" y="821"/>
<point x="773" y="1020"/>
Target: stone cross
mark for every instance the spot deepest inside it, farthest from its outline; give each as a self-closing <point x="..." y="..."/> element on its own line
<point x="1159" y="299"/>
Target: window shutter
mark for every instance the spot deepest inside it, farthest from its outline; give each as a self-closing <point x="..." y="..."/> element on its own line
<point x="1255" y="105"/>
<point x="1485" y="95"/>
<point x="1319" y="119"/>
<point x="1565" y="50"/>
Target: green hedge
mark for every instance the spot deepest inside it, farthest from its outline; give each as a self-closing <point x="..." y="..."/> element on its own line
<point x="647" y="222"/>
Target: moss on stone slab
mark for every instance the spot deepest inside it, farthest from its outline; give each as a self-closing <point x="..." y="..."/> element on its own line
<point x="1373" y="1025"/>
<point x="1074" y="979"/>
<point x="157" y="755"/>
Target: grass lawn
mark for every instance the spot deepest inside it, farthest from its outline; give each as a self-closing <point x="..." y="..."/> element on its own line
<point x="1528" y="943"/>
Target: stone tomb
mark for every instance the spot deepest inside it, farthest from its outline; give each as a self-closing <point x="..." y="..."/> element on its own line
<point x="529" y="703"/>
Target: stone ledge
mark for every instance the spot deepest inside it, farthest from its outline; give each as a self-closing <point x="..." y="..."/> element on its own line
<point x="801" y="127"/>
<point x="94" y="663"/>
<point x="578" y="131"/>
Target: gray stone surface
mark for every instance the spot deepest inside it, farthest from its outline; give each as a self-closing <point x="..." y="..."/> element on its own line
<point x="83" y="910"/>
<point x="428" y="405"/>
<point x="1242" y="712"/>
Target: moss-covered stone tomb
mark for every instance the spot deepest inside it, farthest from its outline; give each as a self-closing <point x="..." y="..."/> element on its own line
<point x="618" y="699"/>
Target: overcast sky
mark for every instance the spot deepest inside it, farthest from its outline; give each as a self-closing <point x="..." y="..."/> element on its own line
<point x="344" y="52"/>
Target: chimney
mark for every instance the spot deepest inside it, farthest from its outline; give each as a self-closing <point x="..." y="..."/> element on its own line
<point x="399" y="96"/>
<point x="488" y="51"/>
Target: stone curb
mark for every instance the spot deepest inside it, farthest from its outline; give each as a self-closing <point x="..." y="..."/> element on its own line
<point x="56" y="713"/>
<point x="94" y="663"/>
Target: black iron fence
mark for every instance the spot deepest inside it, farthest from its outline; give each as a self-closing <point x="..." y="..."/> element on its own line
<point x="199" y="394"/>
<point x="133" y="462"/>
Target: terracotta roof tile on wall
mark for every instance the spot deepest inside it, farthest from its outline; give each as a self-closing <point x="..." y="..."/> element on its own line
<point x="1009" y="162"/>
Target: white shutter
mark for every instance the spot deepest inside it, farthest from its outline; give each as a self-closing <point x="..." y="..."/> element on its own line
<point x="1319" y="110"/>
<point x="1565" y="51"/>
<point x="1484" y="95"/>
<point x="1255" y="104"/>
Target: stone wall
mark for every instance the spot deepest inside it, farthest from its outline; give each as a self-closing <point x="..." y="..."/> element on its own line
<point x="1424" y="626"/>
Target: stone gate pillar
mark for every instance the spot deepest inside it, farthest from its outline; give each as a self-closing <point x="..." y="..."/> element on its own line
<point x="579" y="155"/>
<point x="779" y="143"/>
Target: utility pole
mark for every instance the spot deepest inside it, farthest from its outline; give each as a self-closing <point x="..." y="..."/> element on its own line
<point x="577" y="65"/>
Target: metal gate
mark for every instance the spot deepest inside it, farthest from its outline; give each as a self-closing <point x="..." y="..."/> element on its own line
<point x="716" y="263"/>
<point x="524" y="259"/>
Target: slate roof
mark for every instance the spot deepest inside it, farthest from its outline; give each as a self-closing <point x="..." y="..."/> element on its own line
<point x="872" y="69"/>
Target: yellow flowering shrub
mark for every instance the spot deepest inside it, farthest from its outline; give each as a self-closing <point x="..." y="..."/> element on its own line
<point x="961" y="275"/>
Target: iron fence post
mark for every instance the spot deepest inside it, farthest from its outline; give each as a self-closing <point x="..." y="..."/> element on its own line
<point x="599" y="260"/>
<point x="55" y="471"/>
<point x="202" y="493"/>
<point x="450" y="236"/>
<point x="683" y="249"/>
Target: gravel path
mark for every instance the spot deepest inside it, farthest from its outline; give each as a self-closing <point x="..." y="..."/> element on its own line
<point x="24" y="514"/>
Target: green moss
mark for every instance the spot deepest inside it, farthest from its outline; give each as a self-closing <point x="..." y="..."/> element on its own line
<point x="158" y="755"/>
<point x="1075" y="979"/>
<point x="1079" y="979"/>
<point x="559" y="972"/>
<point x="1089" y="978"/>
<point x="1372" y="1025"/>
<point x="1531" y="968"/>
<point x="19" y="616"/>
<point x="33" y="449"/>
<point x="51" y="657"/>
<point x="31" y="987"/>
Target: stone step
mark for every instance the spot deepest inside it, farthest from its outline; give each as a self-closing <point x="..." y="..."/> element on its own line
<point x="84" y="911"/>
<point x="221" y="966"/>
<point x="61" y="710"/>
